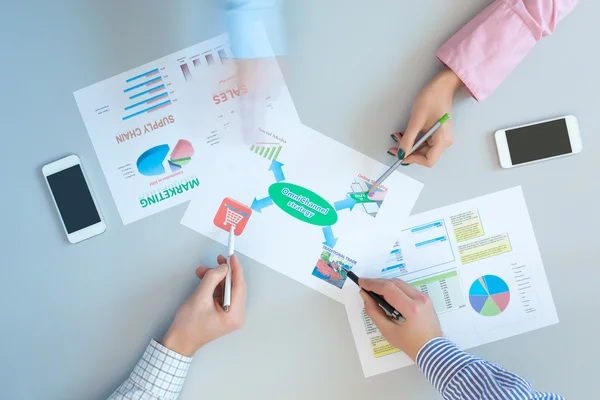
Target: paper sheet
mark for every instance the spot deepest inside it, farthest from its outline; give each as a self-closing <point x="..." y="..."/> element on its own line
<point x="299" y="207"/>
<point x="157" y="129"/>
<point x="478" y="261"/>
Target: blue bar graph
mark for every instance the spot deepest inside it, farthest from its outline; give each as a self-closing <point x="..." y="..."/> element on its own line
<point x="424" y="227"/>
<point x="431" y="241"/>
<point x="142" y="84"/>
<point x="142" y="75"/>
<point x="149" y="109"/>
<point x="145" y="101"/>
<point x="397" y="266"/>
<point x="147" y="91"/>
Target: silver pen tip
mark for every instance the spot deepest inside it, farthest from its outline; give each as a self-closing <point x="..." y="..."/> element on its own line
<point x="226" y="308"/>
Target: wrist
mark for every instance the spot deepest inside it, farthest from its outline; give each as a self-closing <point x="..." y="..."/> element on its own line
<point x="451" y="79"/>
<point x="420" y="350"/>
<point x="414" y="351"/>
<point x="179" y="345"/>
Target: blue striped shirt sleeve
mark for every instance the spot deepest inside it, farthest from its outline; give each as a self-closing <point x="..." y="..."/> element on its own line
<point x="461" y="376"/>
<point x="241" y="17"/>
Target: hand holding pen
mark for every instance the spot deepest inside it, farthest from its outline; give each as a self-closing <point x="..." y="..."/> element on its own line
<point x="202" y="318"/>
<point x="434" y="101"/>
<point x="420" y="324"/>
<point x="422" y="143"/>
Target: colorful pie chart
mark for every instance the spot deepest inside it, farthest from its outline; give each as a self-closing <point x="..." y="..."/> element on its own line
<point x="489" y="295"/>
<point x="150" y="163"/>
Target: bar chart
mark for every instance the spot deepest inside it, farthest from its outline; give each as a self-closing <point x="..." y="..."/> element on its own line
<point x="186" y="72"/>
<point x="269" y="151"/>
<point x="147" y="93"/>
<point x="222" y="56"/>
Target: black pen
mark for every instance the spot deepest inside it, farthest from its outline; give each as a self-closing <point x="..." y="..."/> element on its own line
<point x="389" y="310"/>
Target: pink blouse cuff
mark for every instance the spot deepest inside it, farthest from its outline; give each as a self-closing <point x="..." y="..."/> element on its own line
<point x="489" y="47"/>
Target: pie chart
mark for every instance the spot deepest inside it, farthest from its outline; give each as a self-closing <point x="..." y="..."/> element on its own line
<point x="150" y="163"/>
<point x="489" y="295"/>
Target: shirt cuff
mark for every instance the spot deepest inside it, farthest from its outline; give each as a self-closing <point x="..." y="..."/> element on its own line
<point x="161" y="371"/>
<point x="484" y="52"/>
<point x="248" y="41"/>
<point x="440" y="360"/>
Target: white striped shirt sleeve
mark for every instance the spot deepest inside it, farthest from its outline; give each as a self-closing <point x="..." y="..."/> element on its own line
<point x="159" y="375"/>
<point x="460" y="376"/>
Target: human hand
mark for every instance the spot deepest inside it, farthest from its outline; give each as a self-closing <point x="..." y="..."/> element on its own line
<point x="434" y="101"/>
<point x="202" y="319"/>
<point x="421" y="323"/>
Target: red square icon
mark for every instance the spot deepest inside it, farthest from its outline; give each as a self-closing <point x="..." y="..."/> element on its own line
<point x="234" y="213"/>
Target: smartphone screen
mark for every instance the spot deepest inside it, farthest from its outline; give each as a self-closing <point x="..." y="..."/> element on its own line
<point x="73" y="198"/>
<point x="536" y="142"/>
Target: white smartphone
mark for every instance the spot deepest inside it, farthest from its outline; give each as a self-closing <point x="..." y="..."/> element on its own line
<point x="73" y="199"/>
<point x="539" y="141"/>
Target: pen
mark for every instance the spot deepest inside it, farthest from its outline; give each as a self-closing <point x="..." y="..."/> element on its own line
<point x="417" y="145"/>
<point x="227" y="288"/>
<point x="387" y="307"/>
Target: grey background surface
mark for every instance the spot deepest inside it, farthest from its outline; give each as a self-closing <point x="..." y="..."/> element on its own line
<point x="75" y="318"/>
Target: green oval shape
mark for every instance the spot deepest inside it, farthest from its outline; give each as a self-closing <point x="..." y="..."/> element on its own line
<point x="303" y="204"/>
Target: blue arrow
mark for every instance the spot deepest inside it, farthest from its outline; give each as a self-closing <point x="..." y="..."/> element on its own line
<point x="330" y="241"/>
<point x="348" y="202"/>
<point x="277" y="171"/>
<point x="258" y="205"/>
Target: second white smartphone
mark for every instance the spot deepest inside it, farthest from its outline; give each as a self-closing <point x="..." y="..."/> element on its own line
<point x="73" y="199"/>
<point x="539" y="141"/>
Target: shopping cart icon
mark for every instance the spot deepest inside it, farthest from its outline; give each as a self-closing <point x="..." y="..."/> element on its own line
<point x="232" y="213"/>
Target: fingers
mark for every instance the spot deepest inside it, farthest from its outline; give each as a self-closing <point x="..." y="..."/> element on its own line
<point x="416" y="123"/>
<point x="413" y="293"/>
<point x="211" y="280"/>
<point x="200" y="271"/>
<point x="377" y="315"/>
<point x="237" y="273"/>
<point x="221" y="259"/>
<point x="238" y="291"/>
<point x="430" y="158"/>
<point x="440" y="141"/>
<point x="392" y="293"/>
<point x="393" y="151"/>
<point x="417" y="154"/>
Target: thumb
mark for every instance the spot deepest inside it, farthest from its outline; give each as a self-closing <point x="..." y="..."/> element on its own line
<point x="416" y="123"/>
<point x="211" y="280"/>
<point x="377" y="315"/>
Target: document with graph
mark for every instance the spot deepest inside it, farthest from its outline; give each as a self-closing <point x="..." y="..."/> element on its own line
<point x="479" y="263"/>
<point x="299" y="205"/>
<point x="158" y="127"/>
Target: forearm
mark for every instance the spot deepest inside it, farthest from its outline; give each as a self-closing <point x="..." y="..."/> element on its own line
<point x="242" y="17"/>
<point x="159" y="375"/>
<point x="458" y="375"/>
<point x="489" y="47"/>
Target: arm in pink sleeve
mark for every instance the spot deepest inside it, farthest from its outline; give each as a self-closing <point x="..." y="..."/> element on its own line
<point x="491" y="45"/>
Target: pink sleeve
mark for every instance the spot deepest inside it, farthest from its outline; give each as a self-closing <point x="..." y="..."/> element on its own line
<point x="491" y="45"/>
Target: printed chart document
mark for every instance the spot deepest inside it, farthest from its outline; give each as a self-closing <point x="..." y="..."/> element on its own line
<point x="479" y="262"/>
<point x="298" y="202"/>
<point x="158" y="128"/>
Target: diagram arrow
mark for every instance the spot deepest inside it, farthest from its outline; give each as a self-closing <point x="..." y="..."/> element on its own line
<point x="348" y="202"/>
<point x="258" y="205"/>
<point x="330" y="241"/>
<point x="277" y="171"/>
